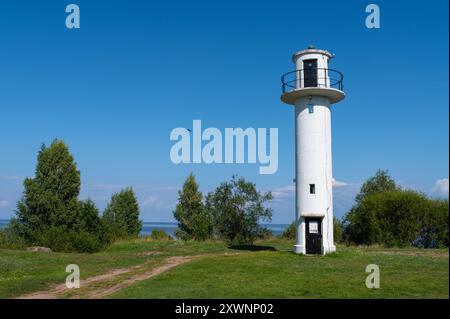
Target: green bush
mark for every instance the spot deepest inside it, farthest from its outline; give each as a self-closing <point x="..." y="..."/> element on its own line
<point x="398" y="218"/>
<point x="264" y="233"/>
<point x="434" y="225"/>
<point x="158" y="234"/>
<point x="289" y="232"/>
<point x="181" y="234"/>
<point x="86" y="242"/>
<point x="61" y="239"/>
<point x="10" y="240"/>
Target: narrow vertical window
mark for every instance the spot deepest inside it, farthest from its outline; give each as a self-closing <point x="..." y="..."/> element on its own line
<point x="311" y="108"/>
<point x="312" y="188"/>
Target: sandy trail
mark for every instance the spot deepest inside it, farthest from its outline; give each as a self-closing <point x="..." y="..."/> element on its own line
<point x="170" y="263"/>
<point x="58" y="290"/>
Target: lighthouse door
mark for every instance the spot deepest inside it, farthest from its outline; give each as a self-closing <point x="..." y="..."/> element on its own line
<point x="313" y="235"/>
<point x="310" y="73"/>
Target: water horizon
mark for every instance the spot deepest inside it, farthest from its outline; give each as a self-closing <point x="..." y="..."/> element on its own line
<point x="169" y="227"/>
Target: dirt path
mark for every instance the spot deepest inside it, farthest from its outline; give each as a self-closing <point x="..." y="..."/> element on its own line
<point x="100" y="292"/>
<point x="170" y="263"/>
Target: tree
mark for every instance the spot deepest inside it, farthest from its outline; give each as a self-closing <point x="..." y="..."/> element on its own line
<point x="121" y="216"/>
<point x="337" y="230"/>
<point x="385" y="214"/>
<point x="237" y="208"/>
<point x="50" y="198"/>
<point x="360" y="224"/>
<point x="89" y="218"/>
<point x="379" y="183"/>
<point x="391" y="218"/>
<point x="50" y="206"/>
<point x="194" y="221"/>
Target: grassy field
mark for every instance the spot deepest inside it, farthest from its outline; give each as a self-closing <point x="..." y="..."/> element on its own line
<point x="169" y="269"/>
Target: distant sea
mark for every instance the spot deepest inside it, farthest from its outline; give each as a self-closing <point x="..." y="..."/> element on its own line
<point x="169" y="228"/>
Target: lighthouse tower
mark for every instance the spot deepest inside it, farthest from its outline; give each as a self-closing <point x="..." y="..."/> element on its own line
<point x="312" y="88"/>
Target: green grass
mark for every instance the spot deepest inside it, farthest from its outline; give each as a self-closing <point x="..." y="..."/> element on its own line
<point x="23" y="272"/>
<point x="281" y="274"/>
<point x="278" y="273"/>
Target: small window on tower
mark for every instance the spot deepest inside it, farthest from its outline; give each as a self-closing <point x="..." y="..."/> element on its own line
<point x="312" y="188"/>
<point x="311" y="108"/>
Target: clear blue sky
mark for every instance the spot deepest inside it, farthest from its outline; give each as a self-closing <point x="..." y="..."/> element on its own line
<point x="114" y="89"/>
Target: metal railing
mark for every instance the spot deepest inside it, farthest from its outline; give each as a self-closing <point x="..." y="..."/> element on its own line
<point x="318" y="77"/>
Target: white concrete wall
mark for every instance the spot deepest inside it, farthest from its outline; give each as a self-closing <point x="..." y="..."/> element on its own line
<point x="313" y="155"/>
<point x="314" y="166"/>
<point x="322" y="63"/>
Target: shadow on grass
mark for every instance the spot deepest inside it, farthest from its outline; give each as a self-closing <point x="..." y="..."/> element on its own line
<point x="252" y="247"/>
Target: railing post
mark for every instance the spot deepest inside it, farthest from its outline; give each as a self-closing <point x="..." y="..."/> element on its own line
<point x="336" y="80"/>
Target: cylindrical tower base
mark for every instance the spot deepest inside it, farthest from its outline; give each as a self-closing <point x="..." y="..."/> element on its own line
<point x="314" y="190"/>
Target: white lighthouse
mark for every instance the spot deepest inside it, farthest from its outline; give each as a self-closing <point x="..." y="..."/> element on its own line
<point x="312" y="88"/>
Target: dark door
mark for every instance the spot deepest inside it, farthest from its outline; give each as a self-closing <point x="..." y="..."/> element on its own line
<point x="310" y="73"/>
<point x="313" y="235"/>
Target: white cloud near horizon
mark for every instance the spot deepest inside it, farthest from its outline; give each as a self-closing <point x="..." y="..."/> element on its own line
<point x="285" y="191"/>
<point x="11" y="178"/>
<point x="337" y="183"/>
<point x="157" y="200"/>
<point x="343" y="197"/>
<point x="11" y="188"/>
<point x="441" y="186"/>
<point x="151" y="201"/>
